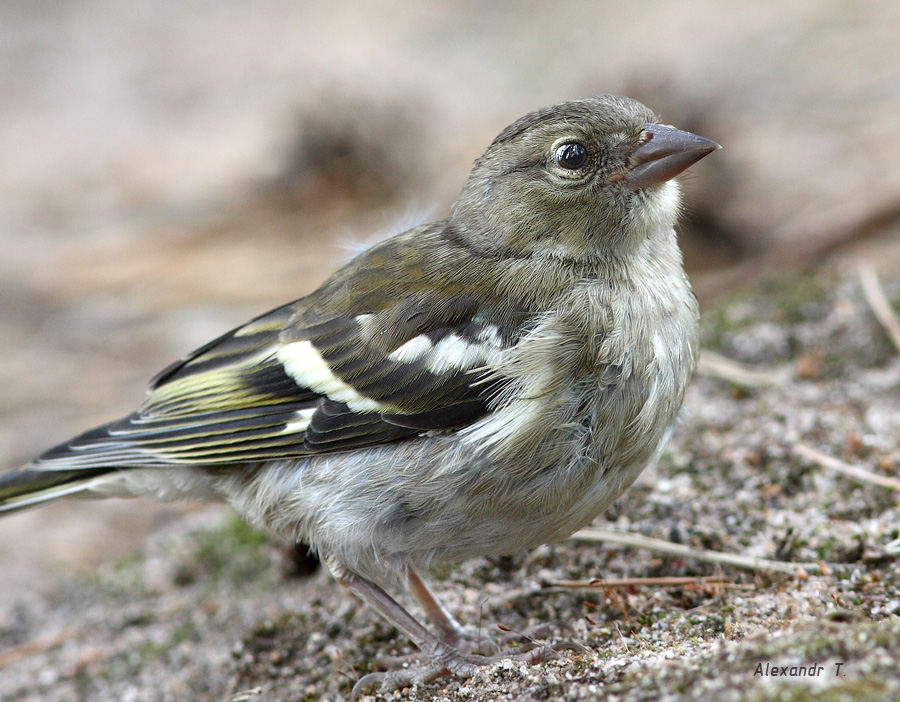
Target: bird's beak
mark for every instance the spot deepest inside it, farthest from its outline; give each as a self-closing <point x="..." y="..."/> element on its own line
<point x="663" y="154"/>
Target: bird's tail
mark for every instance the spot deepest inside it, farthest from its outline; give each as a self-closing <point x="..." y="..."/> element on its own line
<point x="32" y="486"/>
<point x="85" y="464"/>
<point x="102" y="462"/>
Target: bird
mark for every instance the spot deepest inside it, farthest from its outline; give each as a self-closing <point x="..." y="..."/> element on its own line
<point x="481" y="384"/>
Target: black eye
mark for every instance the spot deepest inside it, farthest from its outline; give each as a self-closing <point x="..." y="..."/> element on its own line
<point x="571" y="156"/>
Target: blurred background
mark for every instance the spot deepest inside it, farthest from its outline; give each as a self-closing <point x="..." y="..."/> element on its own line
<point x="171" y="169"/>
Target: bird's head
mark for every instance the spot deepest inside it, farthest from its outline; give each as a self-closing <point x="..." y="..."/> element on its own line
<point x="576" y="180"/>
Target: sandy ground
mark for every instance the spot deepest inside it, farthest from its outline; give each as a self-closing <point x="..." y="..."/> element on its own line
<point x="210" y="610"/>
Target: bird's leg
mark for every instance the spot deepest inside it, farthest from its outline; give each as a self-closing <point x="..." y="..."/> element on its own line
<point x="445" y="656"/>
<point x="397" y="615"/>
<point x="448" y="628"/>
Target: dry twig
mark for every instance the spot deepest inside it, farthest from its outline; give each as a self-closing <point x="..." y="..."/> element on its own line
<point x="31" y="648"/>
<point x="715" y="365"/>
<point x="672" y="581"/>
<point x="853" y="471"/>
<point x="881" y="308"/>
<point x="748" y="562"/>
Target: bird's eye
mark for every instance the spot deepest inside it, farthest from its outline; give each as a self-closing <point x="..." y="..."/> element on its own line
<point x="571" y="156"/>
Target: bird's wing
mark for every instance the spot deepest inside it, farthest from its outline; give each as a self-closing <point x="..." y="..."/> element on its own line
<point x="304" y="379"/>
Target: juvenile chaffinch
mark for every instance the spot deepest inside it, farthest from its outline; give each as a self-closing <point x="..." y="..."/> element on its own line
<point x="481" y="384"/>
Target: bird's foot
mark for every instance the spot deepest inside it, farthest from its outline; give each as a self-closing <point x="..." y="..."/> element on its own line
<point x="451" y="661"/>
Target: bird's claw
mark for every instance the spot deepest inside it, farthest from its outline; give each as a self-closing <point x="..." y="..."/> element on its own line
<point x="393" y="680"/>
<point x="451" y="661"/>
